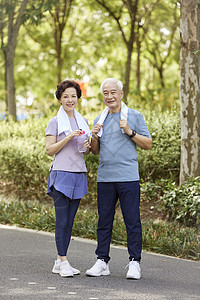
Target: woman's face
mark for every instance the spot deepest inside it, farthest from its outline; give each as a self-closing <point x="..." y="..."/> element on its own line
<point x="69" y="99"/>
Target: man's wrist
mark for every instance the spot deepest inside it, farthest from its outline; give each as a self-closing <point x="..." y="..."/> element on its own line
<point x="95" y="137"/>
<point x="133" y="133"/>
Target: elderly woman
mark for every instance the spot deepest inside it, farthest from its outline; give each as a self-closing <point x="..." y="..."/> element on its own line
<point x="67" y="182"/>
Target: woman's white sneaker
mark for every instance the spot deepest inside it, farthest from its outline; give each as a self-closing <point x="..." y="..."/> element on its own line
<point x="75" y="271"/>
<point x="134" y="271"/>
<point x="65" y="269"/>
<point x="56" y="268"/>
<point x="100" y="268"/>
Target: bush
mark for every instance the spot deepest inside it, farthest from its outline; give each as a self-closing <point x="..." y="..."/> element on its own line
<point x="24" y="163"/>
<point x="92" y="162"/>
<point x="162" y="161"/>
<point x="183" y="203"/>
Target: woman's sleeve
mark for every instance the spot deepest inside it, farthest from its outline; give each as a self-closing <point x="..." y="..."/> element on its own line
<point x="52" y="128"/>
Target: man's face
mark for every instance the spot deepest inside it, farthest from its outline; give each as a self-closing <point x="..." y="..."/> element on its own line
<point x="112" y="96"/>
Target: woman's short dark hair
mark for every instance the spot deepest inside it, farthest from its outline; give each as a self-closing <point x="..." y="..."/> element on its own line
<point x="66" y="84"/>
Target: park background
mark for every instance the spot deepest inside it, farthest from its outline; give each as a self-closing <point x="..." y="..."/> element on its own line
<point x="136" y="41"/>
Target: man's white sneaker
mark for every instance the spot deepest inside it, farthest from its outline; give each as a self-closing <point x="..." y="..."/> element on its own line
<point x="99" y="268"/>
<point x="65" y="269"/>
<point x="56" y="268"/>
<point x="134" y="271"/>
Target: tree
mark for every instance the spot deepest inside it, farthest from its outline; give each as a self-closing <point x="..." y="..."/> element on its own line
<point x="10" y="21"/>
<point x="60" y="15"/>
<point x="159" y="42"/>
<point x="117" y="13"/>
<point x="13" y="14"/>
<point x="189" y="89"/>
<point x="143" y="21"/>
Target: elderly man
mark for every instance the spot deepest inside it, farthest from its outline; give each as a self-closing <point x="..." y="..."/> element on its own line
<point x="116" y="133"/>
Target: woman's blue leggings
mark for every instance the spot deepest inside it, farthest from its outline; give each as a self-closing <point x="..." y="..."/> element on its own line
<point x="65" y="209"/>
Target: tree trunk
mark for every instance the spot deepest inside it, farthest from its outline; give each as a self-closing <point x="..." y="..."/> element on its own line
<point x="128" y="71"/>
<point x="9" y="54"/>
<point x="59" y="58"/>
<point x="160" y="71"/>
<point x="189" y="89"/>
<point x="138" y="58"/>
<point x="10" y="82"/>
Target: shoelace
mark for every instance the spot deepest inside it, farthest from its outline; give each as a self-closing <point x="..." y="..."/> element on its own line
<point x="131" y="261"/>
<point x="102" y="260"/>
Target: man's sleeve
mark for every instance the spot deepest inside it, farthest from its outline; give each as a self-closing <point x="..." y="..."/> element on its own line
<point x="141" y="127"/>
<point x="96" y="120"/>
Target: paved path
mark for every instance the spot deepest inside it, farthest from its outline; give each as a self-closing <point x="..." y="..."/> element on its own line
<point x="27" y="256"/>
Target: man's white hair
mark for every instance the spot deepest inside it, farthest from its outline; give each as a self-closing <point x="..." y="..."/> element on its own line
<point x="118" y="82"/>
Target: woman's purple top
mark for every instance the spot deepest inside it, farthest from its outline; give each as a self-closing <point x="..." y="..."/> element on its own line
<point x="68" y="159"/>
<point x="68" y="170"/>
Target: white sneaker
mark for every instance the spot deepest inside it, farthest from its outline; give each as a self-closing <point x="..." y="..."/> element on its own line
<point x="65" y="269"/>
<point x="56" y="268"/>
<point x="134" y="271"/>
<point x="75" y="271"/>
<point x="99" y="268"/>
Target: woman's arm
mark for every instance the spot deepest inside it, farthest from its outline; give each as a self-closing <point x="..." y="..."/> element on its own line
<point x="53" y="147"/>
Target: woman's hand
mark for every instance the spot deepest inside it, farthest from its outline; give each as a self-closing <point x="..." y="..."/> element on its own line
<point x="87" y="146"/>
<point x="74" y="133"/>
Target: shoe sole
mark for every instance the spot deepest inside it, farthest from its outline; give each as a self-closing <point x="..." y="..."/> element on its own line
<point x="97" y="275"/>
<point x="134" y="278"/>
<point x="58" y="272"/>
<point x="77" y="273"/>
<point x="63" y="275"/>
<point x="55" y="271"/>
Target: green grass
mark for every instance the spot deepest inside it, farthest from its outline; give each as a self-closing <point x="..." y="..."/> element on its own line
<point x="163" y="237"/>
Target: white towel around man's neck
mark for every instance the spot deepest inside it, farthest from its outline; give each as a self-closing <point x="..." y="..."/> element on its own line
<point x="124" y="116"/>
<point x="64" y="122"/>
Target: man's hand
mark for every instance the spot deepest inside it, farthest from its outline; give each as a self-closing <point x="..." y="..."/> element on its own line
<point x="95" y="139"/>
<point x="95" y="130"/>
<point x="123" y="124"/>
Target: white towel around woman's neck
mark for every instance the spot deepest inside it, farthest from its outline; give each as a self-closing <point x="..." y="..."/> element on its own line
<point x="64" y="122"/>
<point x="124" y="116"/>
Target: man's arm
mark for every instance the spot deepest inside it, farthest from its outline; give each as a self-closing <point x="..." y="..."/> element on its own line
<point x="141" y="140"/>
<point x="95" y="146"/>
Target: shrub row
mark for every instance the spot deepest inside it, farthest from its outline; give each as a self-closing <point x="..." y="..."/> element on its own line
<point x="25" y="164"/>
<point x="165" y="238"/>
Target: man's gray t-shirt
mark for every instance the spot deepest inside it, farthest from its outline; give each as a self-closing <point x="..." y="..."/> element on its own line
<point x="118" y="153"/>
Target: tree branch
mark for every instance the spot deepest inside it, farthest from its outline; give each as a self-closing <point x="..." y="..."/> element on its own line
<point x="103" y="4"/>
